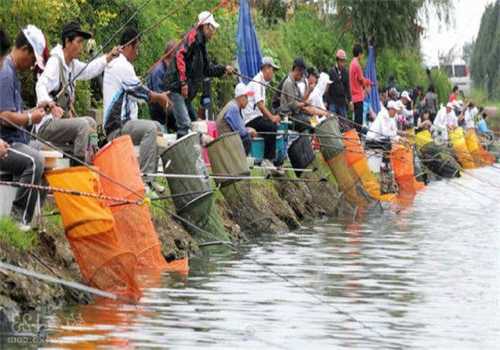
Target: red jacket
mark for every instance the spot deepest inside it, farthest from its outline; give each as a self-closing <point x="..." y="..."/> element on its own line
<point x="357" y="81"/>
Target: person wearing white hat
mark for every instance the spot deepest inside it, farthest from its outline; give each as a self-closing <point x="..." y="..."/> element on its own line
<point x="230" y="118"/>
<point x="384" y="128"/>
<point x="190" y="68"/>
<point x="446" y="120"/>
<point x="21" y="161"/>
<point x="256" y="114"/>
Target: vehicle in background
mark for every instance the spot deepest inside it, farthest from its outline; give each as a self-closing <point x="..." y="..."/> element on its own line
<point x="459" y="75"/>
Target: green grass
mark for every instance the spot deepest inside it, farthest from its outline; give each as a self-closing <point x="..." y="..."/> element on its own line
<point x="10" y="234"/>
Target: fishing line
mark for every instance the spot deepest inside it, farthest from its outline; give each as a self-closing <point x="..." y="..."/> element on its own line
<point x="232" y="247"/>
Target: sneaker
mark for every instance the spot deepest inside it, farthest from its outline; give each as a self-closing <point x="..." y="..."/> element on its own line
<point x="270" y="168"/>
<point x="23" y="228"/>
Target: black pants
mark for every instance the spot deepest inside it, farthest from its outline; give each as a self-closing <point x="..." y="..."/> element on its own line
<point x="301" y="123"/>
<point x="358" y="116"/>
<point x="261" y="124"/>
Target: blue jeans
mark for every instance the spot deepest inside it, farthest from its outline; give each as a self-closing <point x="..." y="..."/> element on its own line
<point x="183" y="113"/>
<point x="337" y="109"/>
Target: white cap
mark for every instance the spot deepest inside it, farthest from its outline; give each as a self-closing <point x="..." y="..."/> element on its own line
<point x="450" y="105"/>
<point x="268" y="61"/>
<point x="37" y="41"/>
<point x="207" y="18"/>
<point x="396" y="105"/>
<point x="242" y="89"/>
<point x="406" y="95"/>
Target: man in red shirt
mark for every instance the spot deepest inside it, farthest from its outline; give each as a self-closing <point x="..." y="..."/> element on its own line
<point x="358" y="85"/>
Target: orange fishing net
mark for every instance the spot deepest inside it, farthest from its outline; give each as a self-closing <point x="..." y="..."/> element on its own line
<point x="356" y="159"/>
<point x="89" y="225"/>
<point x="481" y="156"/>
<point x="462" y="153"/>
<point x="404" y="172"/>
<point x="133" y="222"/>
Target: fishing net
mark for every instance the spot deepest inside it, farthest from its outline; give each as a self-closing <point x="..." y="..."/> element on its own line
<point x="133" y="221"/>
<point x="404" y="172"/>
<point x="356" y="159"/>
<point x="348" y="184"/>
<point x="89" y="226"/>
<point x="439" y="160"/>
<point x="459" y="145"/>
<point x="480" y="155"/>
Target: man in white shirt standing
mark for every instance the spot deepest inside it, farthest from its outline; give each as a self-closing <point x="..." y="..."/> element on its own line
<point x="446" y="120"/>
<point x="257" y="116"/>
<point x="469" y="116"/>
<point x="56" y="88"/>
<point x="122" y="91"/>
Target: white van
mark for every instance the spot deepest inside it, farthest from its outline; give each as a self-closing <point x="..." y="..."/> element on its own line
<point x="459" y="75"/>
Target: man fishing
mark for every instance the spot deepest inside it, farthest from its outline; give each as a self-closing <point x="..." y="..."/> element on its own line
<point x="122" y="90"/>
<point x="358" y="85"/>
<point x="446" y="120"/>
<point x="23" y="162"/>
<point x="257" y="116"/>
<point x="56" y="88"/>
<point x="230" y="118"/>
<point x="189" y="68"/>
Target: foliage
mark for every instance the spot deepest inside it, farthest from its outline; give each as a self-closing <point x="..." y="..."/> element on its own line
<point x="395" y="24"/>
<point x="486" y="55"/>
<point x="10" y="234"/>
<point x="309" y="33"/>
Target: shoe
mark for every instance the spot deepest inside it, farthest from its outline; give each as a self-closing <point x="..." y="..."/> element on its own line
<point x="270" y="168"/>
<point x="23" y="228"/>
<point x="157" y="187"/>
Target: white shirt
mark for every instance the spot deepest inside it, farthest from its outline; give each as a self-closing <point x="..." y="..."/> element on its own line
<point x="258" y="87"/>
<point x="315" y="98"/>
<point x="49" y="79"/>
<point x="383" y="126"/>
<point x="469" y="115"/>
<point x="444" y="120"/>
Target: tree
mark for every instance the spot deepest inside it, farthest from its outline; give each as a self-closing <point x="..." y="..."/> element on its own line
<point x="396" y="24"/>
<point x="485" y="61"/>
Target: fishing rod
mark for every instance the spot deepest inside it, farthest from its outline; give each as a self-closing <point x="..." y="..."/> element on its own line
<point x="265" y="267"/>
<point x="179" y="43"/>
<point x="69" y="284"/>
<point x="101" y="50"/>
<point x="73" y="158"/>
<point x="69" y="192"/>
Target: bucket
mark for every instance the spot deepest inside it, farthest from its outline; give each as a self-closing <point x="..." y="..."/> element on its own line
<point x="228" y="158"/>
<point x="7" y="196"/>
<point x="301" y="153"/>
<point x="81" y="216"/>
<point x="330" y="138"/>
<point x="185" y="157"/>
<point x="257" y="149"/>
<point x="116" y="156"/>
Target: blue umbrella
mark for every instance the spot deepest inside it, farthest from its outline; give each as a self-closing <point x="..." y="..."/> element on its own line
<point x="249" y="56"/>
<point x="371" y="73"/>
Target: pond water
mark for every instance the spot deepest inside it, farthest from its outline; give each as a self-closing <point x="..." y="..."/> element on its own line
<point x="423" y="275"/>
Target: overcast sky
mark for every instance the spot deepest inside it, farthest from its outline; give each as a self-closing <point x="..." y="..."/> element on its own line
<point x="467" y="19"/>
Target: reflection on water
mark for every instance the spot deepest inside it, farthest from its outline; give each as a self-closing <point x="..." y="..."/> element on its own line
<point x="419" y="274"/>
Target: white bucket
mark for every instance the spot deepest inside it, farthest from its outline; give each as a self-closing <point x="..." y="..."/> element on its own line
<point x="7" y="196"/>
<point x="374" y="161"/>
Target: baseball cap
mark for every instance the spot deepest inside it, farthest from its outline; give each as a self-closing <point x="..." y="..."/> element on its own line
<point x="341" y="54"/>
<point x="406" y="95"/>
<point x="74" y="27"/>
<point x="449" y="105"/>
<point x="299" y="63"/>
<point x="207" y="18"/>
<point x="37" y="41"/>
<point x="242" y="89"/>
<point x="268" y="61"/>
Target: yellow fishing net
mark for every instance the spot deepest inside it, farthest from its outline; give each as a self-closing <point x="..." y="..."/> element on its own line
<point x="459" y="145"/>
